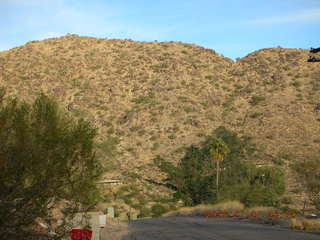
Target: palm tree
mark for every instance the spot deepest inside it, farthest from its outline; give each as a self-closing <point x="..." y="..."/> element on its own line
<point x="218" y="151"/>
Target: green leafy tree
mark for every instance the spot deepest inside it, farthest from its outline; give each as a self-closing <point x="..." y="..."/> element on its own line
<point x="192" y="178"/>
<point x="47" y="163"/>
<point x="198" y="178"/>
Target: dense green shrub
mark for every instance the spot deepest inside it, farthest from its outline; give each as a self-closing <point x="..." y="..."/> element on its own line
<point x="144" y="212"/>
<point x="255" y="186"/>
<point x="189" y="178"/>
<point x="157" y="210"/>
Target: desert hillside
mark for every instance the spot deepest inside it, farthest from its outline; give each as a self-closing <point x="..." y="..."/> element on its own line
<point x="150" y="98"/>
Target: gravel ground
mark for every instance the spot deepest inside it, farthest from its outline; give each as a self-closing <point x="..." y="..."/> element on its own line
<point x="114" y="231"/>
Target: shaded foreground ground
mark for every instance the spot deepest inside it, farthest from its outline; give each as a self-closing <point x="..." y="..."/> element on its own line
<point x="209" y="229"/>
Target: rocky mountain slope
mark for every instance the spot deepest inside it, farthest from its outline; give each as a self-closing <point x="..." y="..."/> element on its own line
<point x="150" y="98"/>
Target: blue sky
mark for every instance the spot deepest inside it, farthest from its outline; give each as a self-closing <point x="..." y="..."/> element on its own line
<point x="233" y="28"/>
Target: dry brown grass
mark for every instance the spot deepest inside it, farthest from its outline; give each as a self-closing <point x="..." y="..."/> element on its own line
<point x="261" y="209"/>
<point x="229" y="205"/>
<point x="311" y="225"/>
<point x="203" y="210"/>
<point x="296" y="223"/>
<point x="115" y="231"/>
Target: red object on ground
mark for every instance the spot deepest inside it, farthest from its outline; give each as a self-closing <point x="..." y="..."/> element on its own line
<point x="81" y="234"/>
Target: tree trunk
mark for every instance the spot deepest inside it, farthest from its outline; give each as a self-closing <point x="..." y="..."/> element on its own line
<point x="217" y="180"/>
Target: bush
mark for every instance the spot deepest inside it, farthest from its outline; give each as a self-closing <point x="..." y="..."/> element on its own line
<point x="157" y="210"/>
<point x="144" y="212"/>
<point x="278" y="161"/>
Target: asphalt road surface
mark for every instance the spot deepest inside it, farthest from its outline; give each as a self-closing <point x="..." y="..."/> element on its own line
<point x="185" y="228"/>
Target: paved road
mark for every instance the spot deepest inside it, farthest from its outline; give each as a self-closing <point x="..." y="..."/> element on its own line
<point x="198" y="228"/>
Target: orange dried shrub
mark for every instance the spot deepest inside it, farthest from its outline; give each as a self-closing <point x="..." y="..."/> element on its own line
<point x="224" y="209"/>
<point x="254" y="215"/>
<point x="289" y="214"/>
<point x="211" y="214"/>
<point x="238" y="214"/>
<point x="217" y="214"/>
<point x="273" y="214"/>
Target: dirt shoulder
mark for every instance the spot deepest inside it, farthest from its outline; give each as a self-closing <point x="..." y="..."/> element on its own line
<point x="114" y="231"/>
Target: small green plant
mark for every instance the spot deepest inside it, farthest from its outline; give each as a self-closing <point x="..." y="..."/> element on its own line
<point x="155" y="146"/>
<point x="110" y="131"/>
<point x="225" y="88"/>
<point x="96" y="67"/>
<point x="238" y="86"/>
<point x="209" y="77"/>
<point x="255" y="100"/>
<point x="86" y="85"/>
<point x="255" y="115"/>
<point x="120" y="133"/>
<point x="135" y="128"/>
<point x="278" y="161"/>
<point x="285" y="156"/>
<point x="172" y="136"/>
<point x="141" y="132"/>
<point x="188" y="109"/>
<point x="299" y="96"/>
<point x="296" y="84"/>
<point x="285" y="68"/>
<point x="183" y="98"/>
<point x="143" y="99"/>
